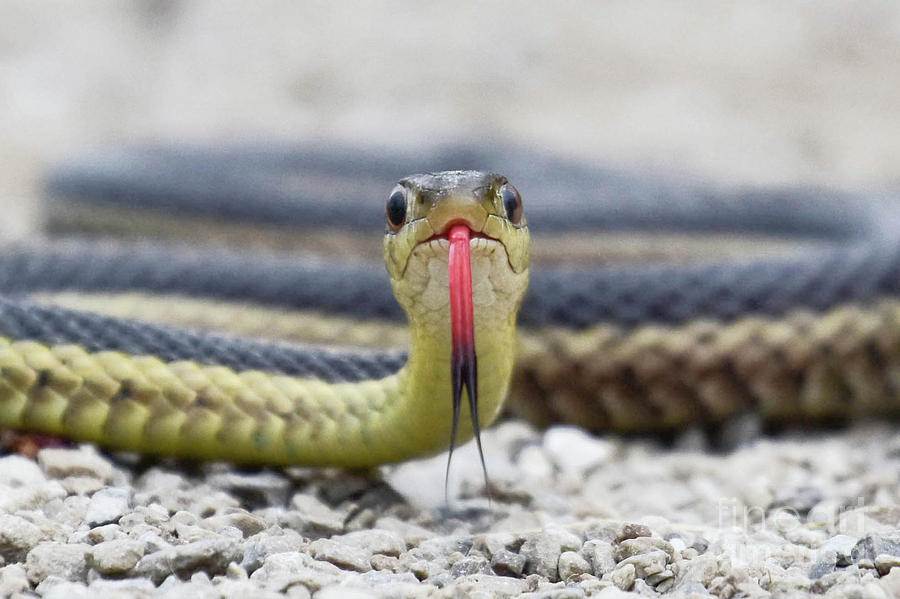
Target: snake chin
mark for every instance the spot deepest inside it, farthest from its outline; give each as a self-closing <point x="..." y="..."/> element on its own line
<point x="423" y="289"/>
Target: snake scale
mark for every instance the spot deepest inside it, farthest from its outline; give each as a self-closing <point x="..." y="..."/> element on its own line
<point x="655" y="303"/>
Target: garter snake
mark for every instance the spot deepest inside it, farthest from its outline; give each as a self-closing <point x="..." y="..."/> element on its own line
<point x="692" y="304"/>
<point x="464" y="225"/>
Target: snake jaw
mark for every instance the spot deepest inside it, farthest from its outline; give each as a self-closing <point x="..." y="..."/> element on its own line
<point x="463" y="359"/>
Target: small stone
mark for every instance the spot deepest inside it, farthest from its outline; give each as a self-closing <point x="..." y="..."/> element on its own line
<point x="507" y="563"/>
<point x="84" y="461"/>
<point x="469" y="566"/>
<point x="17" y="471"/>
<point x="571" y="564"/>
<point x="273" y="541"/>
<point x="632" y="531"/>
<point x="604" y="531"/>
<point x="129" y="587"/>
<point x="68" y="561"/>
<point x="184" y="517"/>
<point x="190" y="534"/>
<point x="153" y="542"/>
<point x="107" y="506"/>
<point x="236" y="572"/>
<point x="490" y="543"/>
<point x="383" y="579"/>
<point x="169" y="583"/>
<point x="842" y="545"/>
<point x="374" y="541"/>
<point x="115" y="558"/>
<point x="284" y="570"/>
<point x="631" y="547"/>
<point x="890" y="583"/>
<point x="612" y="592"/>
<point x="873" y="545"/>
<point x="623" y="577"/>
<point x="157" y="485"/>
<point x="689" y="553"/>
<point x="315" y="517"/>
<point x="695" y="574"/>
<point x="17" y="537"/>
<point x="13" y="580"/>
<point x="825" y="564"/>
<point x="487" y="586"/>
<point x="700" y="545"/>
<point x="442" y="547"/>
<point x="884" y="563"/>
<point x="678" y="543"/>
<point x="342" y="592"/>
<point x="439" y="580"/>
<point x="241" y="519"/>
<point x="542" y="550"/>
<point x="805" y="536"/>
<point x="71" y="511"/>
<point x="873" y="519"/>
<point x="412" y="534"/>
<point x="574" y="451"/>
<point x="210" y="502"/>
<point x="341" y="555"/>
<point x="201" y="578"/>
<point x="53" y="588"/>
<point x="656" y="579"/>
<point x="211" y="556"/>
<point x="647" y="564"/>
<point x="600" y="554"/>
<point x="421" y="568"/>
<point x="101" y="534"/>
<point x="385" y="562"/>
<point x="33" y="497"/>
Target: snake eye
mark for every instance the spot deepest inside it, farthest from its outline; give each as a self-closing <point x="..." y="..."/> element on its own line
<point x="512" y="202"/>
<point x="396" y="209"/>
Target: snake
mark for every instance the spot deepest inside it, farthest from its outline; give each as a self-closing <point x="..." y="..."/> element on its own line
<point x="655" y="304"/>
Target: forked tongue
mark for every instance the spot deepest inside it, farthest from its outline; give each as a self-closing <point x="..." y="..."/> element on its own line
<point x="463" y="362"/>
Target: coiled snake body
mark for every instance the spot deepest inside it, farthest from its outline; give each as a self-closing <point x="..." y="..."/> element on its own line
<point x="693" y="305"/>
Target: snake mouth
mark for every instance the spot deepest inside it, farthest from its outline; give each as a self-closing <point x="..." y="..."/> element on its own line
<point x="445" y="236"/>
<point x="463" y="358"/>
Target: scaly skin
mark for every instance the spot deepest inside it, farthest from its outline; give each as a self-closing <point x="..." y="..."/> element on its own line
<point x="190" y="410"/>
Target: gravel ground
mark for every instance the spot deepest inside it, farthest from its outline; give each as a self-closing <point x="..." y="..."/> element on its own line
<point x="761" y="92"/>
<point x="570" y="515"/>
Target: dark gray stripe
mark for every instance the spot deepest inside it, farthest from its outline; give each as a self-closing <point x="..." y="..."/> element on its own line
<point x="345" y="187"/>
<point x="564" y="297"/>
<point x="52" y="325"/>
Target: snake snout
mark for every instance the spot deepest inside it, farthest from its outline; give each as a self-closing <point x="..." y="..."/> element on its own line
<point x="455" y="210"/>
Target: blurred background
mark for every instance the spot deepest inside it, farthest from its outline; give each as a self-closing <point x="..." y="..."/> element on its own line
<point x="761" y="92"/>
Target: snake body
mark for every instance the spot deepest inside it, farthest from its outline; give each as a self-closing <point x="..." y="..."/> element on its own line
<point x="786" y="302"/>
<point x="134" y="400"/>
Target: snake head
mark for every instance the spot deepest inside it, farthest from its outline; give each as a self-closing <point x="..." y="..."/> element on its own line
<point x="421" y="210"/>
<point x="457" y="249"/>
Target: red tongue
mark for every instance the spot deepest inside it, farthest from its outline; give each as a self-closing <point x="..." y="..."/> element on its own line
<point x="462" y="320"/>
<point x="463" y="363"/>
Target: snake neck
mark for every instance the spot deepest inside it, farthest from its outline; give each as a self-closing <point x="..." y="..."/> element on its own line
<point x="424" y="403"/>
<point x="426" y="407"/>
